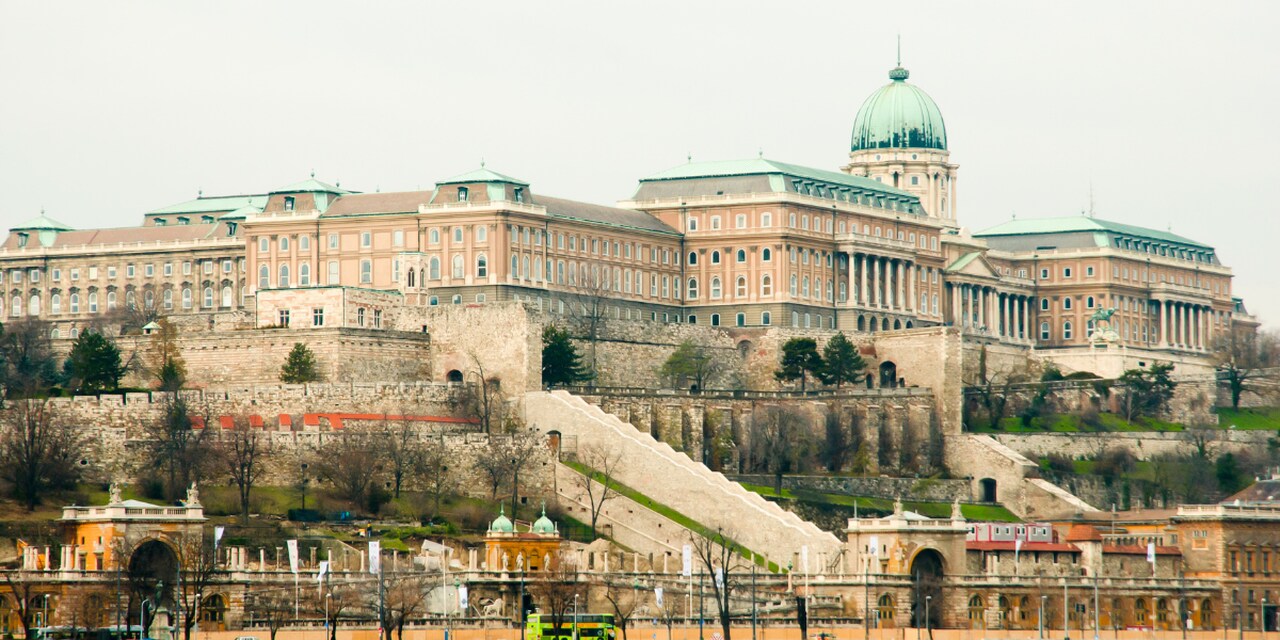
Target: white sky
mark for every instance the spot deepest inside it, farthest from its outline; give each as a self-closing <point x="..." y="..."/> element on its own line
<point x="1168" y="109"/>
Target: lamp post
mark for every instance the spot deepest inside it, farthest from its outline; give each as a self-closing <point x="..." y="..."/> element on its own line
<point x="520" y="604"/>
<point x="1066" y="602"/>
<point x="1040" y="619"/>
<point x="142" y="614"/>
<point x="575" y="617"/>
<point x="927" y="630"/>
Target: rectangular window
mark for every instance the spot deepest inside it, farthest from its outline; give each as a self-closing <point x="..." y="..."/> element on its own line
<point x="75" y="275"/>
<point x="128" y="271"/>
<point x="168" y="268"/>
<point x="366" y="239"/>
<point x="333" y="241"/>
<point x="149" y="270"/>
<point x="186" y="268"/>
<point x="333" y="273"/>
<point x="282" y="317"/>
<point x="317" y="317"/>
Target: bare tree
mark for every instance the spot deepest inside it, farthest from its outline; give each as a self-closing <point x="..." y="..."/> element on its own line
<point x="22" y="586"/>
<point x="243" y="449"/>
<point x="991" y="384"/>
<point x="505" y="457"/>
<point x="37" y="450"/>
<point x="626" y="600"/>
<point x="719" y="558"/>
<point x="588" y="309"/>
<point x="179" y="446"/>
<point x="598" y="482"/>
<point x="163" y="359"/>
<point x="198" y="566"/>
<point x="669" y="611"/>
<point x="402" y="448"/>
<point x="483" y="398"/>
<point x="780" y="442"/>
<point x="436" y="473"/>
<point x="337" y="602"/>
<point x="405" y="598"/>
<point x="28" y="365"/>
<point x="1244" y="357"/>
<point x="273" y="606"/>
<point x="560" y="588"/>
<point x="351" y="462"/>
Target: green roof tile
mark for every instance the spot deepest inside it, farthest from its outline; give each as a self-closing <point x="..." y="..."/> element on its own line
<point x="763" y="166"/>
<point x="311" y="185"/>
<point x="214" y="204"/>
<point x="483" y="175"/>
<point x="1077" y="224"/>
<point x="41" y="223"/>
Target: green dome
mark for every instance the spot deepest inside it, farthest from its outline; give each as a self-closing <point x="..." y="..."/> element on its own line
<point x="899" y="116"/>
<point x="502" y="524"/>
<point x="544" y="524"/>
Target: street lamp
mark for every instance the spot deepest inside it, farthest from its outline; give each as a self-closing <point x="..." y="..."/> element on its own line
<point x="927" y="631"/>
<point x="1040" y="619"/>
<point x="575" y="616"/>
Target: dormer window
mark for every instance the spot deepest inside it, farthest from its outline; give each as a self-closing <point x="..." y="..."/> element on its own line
<point x="160" y="222"/>
<point x="206" y="219"/>
<point x="288" y="203"/>
<point x="184" y="220"/>
<point x="462" y="194"/>
<point x="22" y="240"/>
<point x="519" y="192"/>
<point x="231" y="228"/>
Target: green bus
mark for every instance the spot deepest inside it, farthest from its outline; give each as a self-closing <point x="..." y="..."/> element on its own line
<point x="538" y="626"/>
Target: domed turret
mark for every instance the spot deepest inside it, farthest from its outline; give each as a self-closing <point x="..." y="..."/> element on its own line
<point x="544" y="525"/>
<point x="899" y="116"/>
<point x="899" y="139"/>
<point x="502" y="524"/>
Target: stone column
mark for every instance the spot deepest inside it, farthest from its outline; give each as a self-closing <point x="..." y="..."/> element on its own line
<point x="862" y="275"/>
<point x="955" y="304"/>
<point x="851" y="298"/>
<point x="875" y="283"/>
<point x="982" y="307"/>
<point x="1162" y="319"/>
<point x="913" y="301"/>
<point x="902" y="285"/>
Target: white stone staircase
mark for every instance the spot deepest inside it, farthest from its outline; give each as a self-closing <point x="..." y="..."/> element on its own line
<point x="671" y="478"/>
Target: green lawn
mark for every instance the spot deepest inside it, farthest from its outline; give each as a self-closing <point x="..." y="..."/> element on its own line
<point x="1250" y="419"/>
<point x="672" y="514"/>
<point x="883" y="505"/>
<point x="1071" y="423"/>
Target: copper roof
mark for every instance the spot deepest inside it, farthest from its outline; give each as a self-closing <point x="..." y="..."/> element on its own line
<point x="126" y="235"/>
<point x="371" y="203"/>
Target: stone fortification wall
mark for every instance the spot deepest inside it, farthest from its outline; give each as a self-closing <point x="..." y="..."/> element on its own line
<point x="887" y="488"/>
<point x="671" y="478"/>
<point x="296" y="421"/>
<point x="1144" y="445"/>
<point x="1192" y="402"/>
<point x="715" y="427"/>
<point x="501" y="338"/>
<point x="1014" y="479"/>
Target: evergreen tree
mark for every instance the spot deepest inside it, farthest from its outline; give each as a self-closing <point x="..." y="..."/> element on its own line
<point x="561" y="362"/>
<point x="94" y="363"/>
<point x="689" y="362"/>
<point x="841" y="362"/>
<point x="300" y="366"/>
<point x="800" y="359"/>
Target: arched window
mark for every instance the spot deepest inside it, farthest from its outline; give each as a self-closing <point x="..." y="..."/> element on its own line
<point x="433" y="236"/>
<point x="366" y="271"/>
<point x="765" y="318"/>
<point x="740" y="287"/>
<point x="693" y="258"/>
<point x="766" y="285"/>
<point x="111" y="301"/>
<point x="693" y="288"/>
<point x="75" y="304"/>
<point x="284" y="276"/>
<point x="167" y="298"/>
<point x="560" y="274"/>
<point x="226" y="295"/>
<point x="208" y="297"/>
<point x="264" y="277"/>
<point x="148" y="299"/>
<point x="1044" y="331"/>
<point x="804" y="286"/>
<point x="457" y="234"/>
<point x="715" y="288"/>
<point x="742" y="255"/>
<point x="433" y="268"/>
<point x="766" y="254"/>
<point x="740" y="319"/>
<point x="411" y="278"/>
<point x="524" y="267"/>
<point x="186" y="298"/>
<point x="33" y="305"/>
<point x="1066" y="330"/>
<point x="830" y="290"/>
<point x="55" y="303"/>
<point x="482" y="233"/>
<point x="715" y="257"/>
<point x="457" y="267"/>
<point x="794" y="281"/>
<point x="884" y="607"/>
<point x="482" y="266"/>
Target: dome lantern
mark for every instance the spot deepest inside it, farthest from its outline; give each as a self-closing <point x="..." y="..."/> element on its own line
<point x="899" y="115"/>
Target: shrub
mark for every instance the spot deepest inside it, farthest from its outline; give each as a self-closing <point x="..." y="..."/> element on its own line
<point x="1060" y="462"/>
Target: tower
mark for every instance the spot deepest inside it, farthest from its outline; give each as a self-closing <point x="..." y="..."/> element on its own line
<point x="899" y="138"/>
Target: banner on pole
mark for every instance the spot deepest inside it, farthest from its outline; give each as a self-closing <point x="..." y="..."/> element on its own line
<point x="686" y="569"/>
<point x="217" y="535"/>
<point x="804" y="558"/>
<point x="375" y="556"/>
<point x="719" y="578"/>
<point x="874" y="544"/>
<point x="293" y="555"/>
<point x="324" y="569"/>
<point x="657" y="596"/>
<point x="462" y="597"/>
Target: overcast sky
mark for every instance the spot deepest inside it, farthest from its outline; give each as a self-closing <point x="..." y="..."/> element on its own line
<point x="1166" y="111"/>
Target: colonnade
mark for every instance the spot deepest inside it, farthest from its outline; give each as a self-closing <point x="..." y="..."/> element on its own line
<point x="1186" y="325"/>
<point x="987" y="310"/>
<point x="884" y="282"/>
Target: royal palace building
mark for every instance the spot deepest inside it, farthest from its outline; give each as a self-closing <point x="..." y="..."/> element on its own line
<point x="873" y="246"/>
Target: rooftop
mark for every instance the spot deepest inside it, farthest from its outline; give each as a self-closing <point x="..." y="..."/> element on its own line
<point x="764" y="166"/>
<point x="1078" y="224"/>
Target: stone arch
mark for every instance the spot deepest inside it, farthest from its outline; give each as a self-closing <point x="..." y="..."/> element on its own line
<point x="213" y="612"/>
<point x="927" y="571"/>
<point x="153" y="567"/>
<point x="897" y="324"/>
<point x="987" y="490"/>
<point x="453" y="376"/>
<point x="862" y="323"/>
<point x="744" y="348"/>
<point x="884" y="324"/>
<point x="888" y="374"/>
<point x="910" y="324"/>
